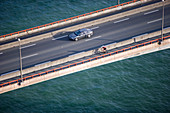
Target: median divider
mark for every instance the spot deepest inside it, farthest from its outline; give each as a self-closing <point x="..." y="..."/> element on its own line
<point x="91" y="62"/>
<point x="81" y="55"/>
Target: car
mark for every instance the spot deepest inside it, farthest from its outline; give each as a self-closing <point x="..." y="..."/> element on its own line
<point x="80" y="34"/>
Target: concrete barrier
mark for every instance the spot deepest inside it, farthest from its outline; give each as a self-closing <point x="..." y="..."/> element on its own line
<point x="87" y="24"/>
<point x="81" y="55"/>
<point x="124" y="55"/>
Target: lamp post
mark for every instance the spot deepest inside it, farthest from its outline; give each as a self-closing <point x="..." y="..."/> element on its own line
<point x="159" y="42"/>
<point x="118" y="2"/>
<point x="162" y="20"/>
<point x="20" y="59"/>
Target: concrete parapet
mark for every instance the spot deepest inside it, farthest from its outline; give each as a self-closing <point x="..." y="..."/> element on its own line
<point x="9" y="75"/>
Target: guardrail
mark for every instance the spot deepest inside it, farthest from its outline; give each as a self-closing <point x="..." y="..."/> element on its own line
<point x="84" y="61"/>
<point x="64" y="20"/>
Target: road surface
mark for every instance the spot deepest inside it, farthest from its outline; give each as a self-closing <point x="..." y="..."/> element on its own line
<point x="59" y="46"/>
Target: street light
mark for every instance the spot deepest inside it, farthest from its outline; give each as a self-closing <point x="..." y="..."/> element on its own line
<point x="162" y="23"/>
<point x="162" y="19"/>
<point x="20" y="60"/>
<point x="118" y="2"/>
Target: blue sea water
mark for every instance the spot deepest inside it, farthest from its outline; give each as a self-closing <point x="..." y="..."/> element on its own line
<point x="16" y="15"/>
<point x="140" y="84"/>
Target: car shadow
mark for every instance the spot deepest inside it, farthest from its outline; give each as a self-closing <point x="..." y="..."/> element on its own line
<point x="62" y="36"/>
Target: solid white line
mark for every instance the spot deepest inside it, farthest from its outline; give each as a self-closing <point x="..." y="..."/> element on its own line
<point x="151" y="12"/>
<point x="30" y="56"/>
<point x="95" y="27"/>
<point x="110" y="44"/>
<point x="121" y="20"/>
<point x="1" y="53"/>
<point x="76" y="54"/>
<point x="42" y="63"/>
<point x="166" y="27"/>
<point x="93" y="38"/>
<point x="9" y="72"/>
<point x="140" y="35"/>
<point x="28" y="46"/>
<point x="154" y="21"/>
<point x="59" y="37"/>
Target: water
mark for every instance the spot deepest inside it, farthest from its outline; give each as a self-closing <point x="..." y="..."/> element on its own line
<point x="140" y="84"/>
<point x="16" y="15"/>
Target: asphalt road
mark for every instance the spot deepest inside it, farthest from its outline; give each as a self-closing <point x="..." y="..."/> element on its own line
<point x="59" y="46"/>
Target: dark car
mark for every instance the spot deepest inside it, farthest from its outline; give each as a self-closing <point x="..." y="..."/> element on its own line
<point x="81" y="33"/>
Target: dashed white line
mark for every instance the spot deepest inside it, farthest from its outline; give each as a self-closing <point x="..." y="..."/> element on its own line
<point x="95" y="28"/>
<point x="121" y="20"/>
<point x="1" y="53"/>
<point x="59" y="37"/>
<point x="29" y="56"/>
<point x="151" y="12"/>
<point x="154" y="21"/>
<point x="93" y="38"/>
<point x="28" y="46"/>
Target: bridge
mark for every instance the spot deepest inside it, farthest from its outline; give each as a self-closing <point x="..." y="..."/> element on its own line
<point x="120" y="28"/>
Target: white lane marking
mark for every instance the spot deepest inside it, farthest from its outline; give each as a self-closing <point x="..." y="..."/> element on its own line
<point x="151" y="12"/>
<point x="121" y="20"/>
<point x="95" y="28"/>
<point x="30" y="56"/>
<point x="9" y="72"/>
<point x="93" y="38"/>
<point x="140" y="35"/>
<point x="154" y="21"/>
<point x="1" y="53"/>
<point x="28" y="46"/>
<point x="59" y="37"/>
<point x="42" y="63"/>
